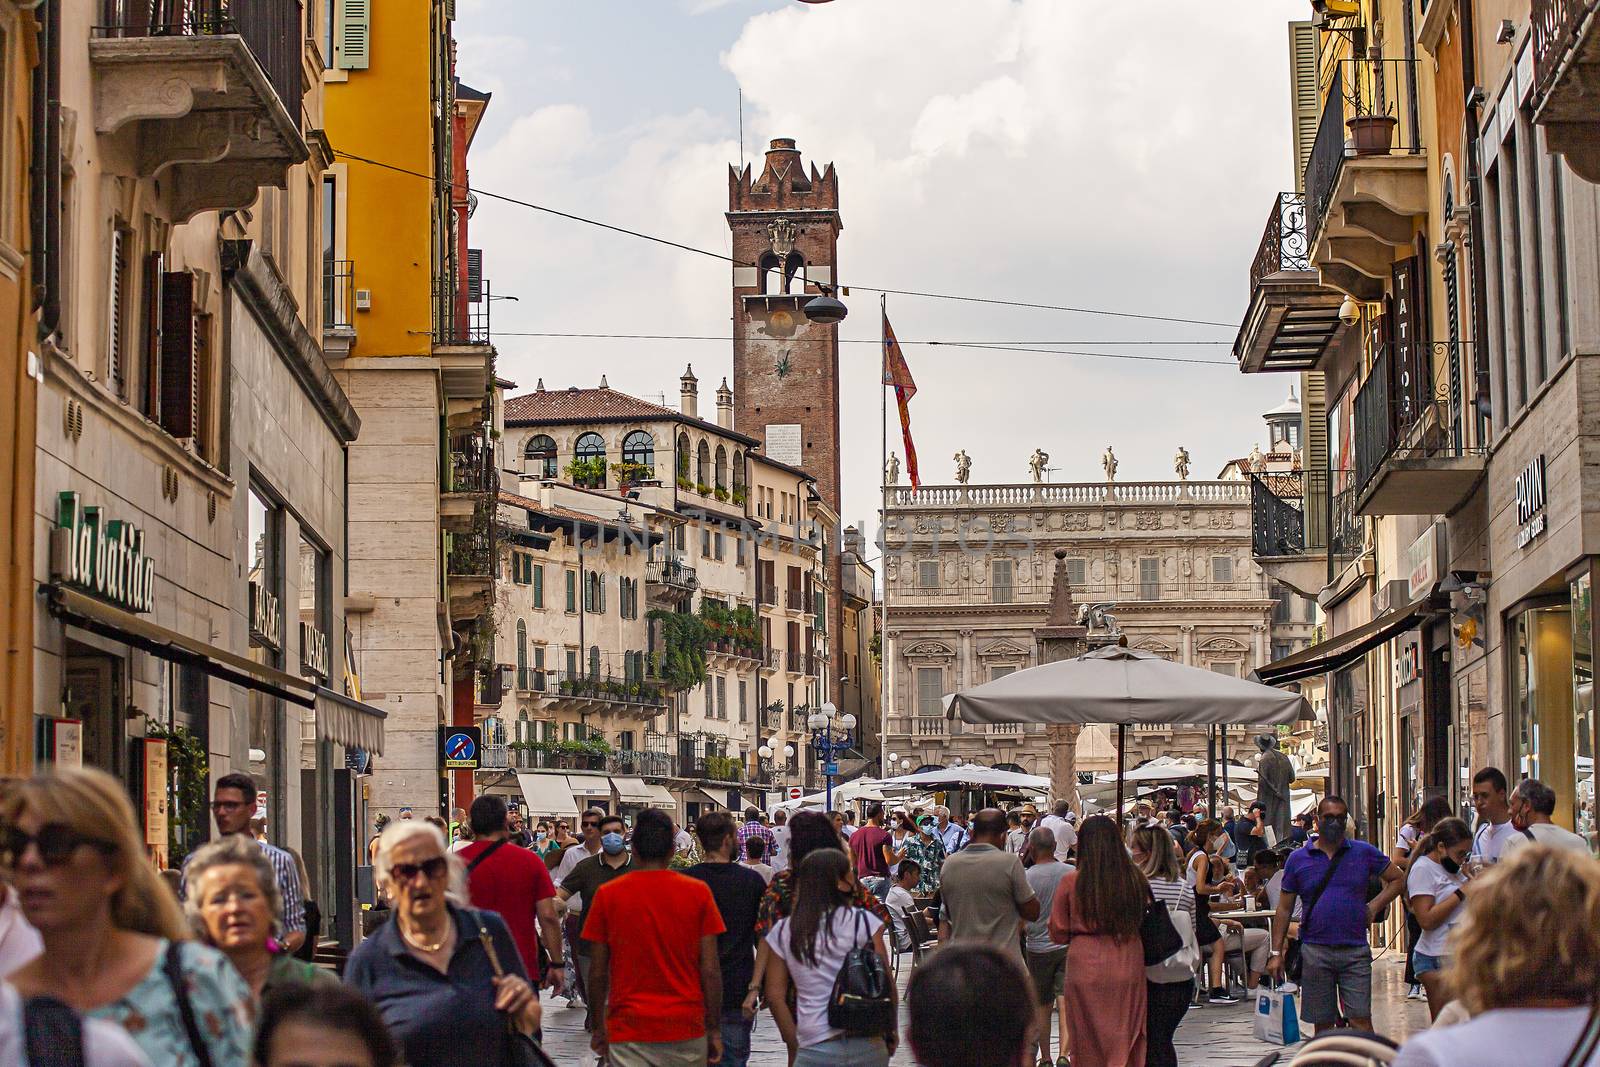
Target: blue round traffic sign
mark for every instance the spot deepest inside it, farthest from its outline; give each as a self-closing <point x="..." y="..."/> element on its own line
<point x="460" y="747"/>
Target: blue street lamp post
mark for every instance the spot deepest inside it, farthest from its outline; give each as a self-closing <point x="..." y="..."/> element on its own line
<point x="831" y="734"/>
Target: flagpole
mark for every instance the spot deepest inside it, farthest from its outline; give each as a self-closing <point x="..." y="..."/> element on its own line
<point x="883" y="519"/>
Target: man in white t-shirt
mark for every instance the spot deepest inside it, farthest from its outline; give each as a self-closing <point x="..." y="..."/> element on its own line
<point x="900" y="903"/>
<point x="1532" y="804"/>
<point x="1494" y="815"/>
<point x="780" y="840"/>
<point x="1060" y="823"/>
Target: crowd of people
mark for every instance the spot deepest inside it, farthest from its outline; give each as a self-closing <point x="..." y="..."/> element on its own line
<point x="674" y="939"/>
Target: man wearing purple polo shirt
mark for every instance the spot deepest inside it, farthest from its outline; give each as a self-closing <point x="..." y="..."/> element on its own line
<point x="1330" y="879"/>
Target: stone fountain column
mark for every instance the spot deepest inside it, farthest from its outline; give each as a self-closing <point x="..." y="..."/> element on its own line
<point x="1062" y="638"/>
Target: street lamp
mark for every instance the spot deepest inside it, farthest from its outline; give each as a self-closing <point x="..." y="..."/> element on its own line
<point x="831" y="734"/>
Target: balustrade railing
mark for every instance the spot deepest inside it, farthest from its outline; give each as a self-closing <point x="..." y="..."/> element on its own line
<point x="1557" y="25"/>
<point x="1092" y="493"/>
<point x="1283" y="243"/>
<point x="1372" y="105"/>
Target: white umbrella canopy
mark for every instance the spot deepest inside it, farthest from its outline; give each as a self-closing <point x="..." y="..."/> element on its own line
<point x="971" y="777"/>
<point x="1124" y="686"/>
<point x="1169" y="769"/>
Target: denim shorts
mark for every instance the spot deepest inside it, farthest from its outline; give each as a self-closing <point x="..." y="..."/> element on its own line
<point x="845" y="1052"/>
<point x="1422" y="963"/>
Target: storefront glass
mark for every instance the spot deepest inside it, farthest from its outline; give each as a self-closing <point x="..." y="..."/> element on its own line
<point x="1472" y="739"/>
<point x="1542" y="702"/>
<point x="264" y="761"/>
<point x="1583" y="717"/>
<point x="1347" y="704"/>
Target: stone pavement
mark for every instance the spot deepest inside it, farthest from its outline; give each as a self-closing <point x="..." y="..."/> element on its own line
<point x="1219" y="1036"/>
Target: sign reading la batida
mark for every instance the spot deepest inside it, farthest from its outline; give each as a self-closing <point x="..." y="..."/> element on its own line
<point x="101" y="556"/>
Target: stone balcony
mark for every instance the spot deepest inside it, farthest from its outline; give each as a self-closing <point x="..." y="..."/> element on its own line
<point x="1566" y="64"/>
<point x="210" y="96"/>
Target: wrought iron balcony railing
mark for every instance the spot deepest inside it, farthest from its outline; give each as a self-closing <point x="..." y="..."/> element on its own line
<point x="471" y="555"/>
<point x="1289" y="513"/>
<point x="645" y="762"/>
<point x="767" y="593"/>
<point x="472" y="466"/>
<point x="670" y="572"/>
<point x="1283" y="243"/>
<point x="1347" y="533"/>
<point x="271" y="29"/>
<point x="1370" y="109"/>
<point x="794" y="599"/>
<point x="1399" y="415"/>
<point x="338" y="280"/>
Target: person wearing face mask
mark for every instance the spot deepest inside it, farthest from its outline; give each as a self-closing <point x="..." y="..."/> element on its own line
<point x="1435" y="892"/>
<point x="612" y="861"/>
<point x="573" y="851"/>
<point x="1331" y="875"/>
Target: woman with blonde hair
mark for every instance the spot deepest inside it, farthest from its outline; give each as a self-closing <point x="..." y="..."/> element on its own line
<point x="1526" y="967"/>
<point x="234" y="906"/>
<point x="115" y="943"/>
<point x="447" y="979"/>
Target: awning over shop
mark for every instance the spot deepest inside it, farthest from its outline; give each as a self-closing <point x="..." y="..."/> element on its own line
<point x="547" y="794"/>
<point x="631" y="790"/>
<point x="700" y="796"/>
<point x="660" y="798"/>
<point x="101" y="618"/>
<point x="349" y="722"/>
<point x="1346" y="648"/>
<point x="587" y="787"/>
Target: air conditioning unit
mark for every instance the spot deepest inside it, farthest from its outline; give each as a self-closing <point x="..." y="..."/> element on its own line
<point x="363" y="299"/>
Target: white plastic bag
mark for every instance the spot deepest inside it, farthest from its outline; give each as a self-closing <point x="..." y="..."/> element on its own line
<point x="1276" y="1020"/>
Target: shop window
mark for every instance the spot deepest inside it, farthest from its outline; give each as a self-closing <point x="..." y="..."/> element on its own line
<point x="1583" y="716"/>
<point x="264" y="717"/>
<point x="314" y="608"/>
<point x="1541" y="702"/>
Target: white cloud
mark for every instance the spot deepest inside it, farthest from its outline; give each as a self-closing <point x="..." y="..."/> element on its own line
<point x="1116" y="156"/>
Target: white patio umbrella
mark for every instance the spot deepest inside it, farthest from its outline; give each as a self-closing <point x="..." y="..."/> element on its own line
<point x="1125" y="686"/>
<point x="971" y="777"/>
<point x="1168" y="769"/>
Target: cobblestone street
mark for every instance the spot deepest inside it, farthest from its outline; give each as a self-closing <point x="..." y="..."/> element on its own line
<point x="1209" y="1036"/>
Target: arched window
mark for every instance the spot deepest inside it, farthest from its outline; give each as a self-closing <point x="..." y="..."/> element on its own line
<point x="771" y="280"/>
<point x="702" y="464"/>
<point x="639" y="447"/>
<point x="539" y="456"/>
<point x="738" y="470"/>
<point x="722" y="467"/>
<point x="794" y="274"/>
<point x="590" y="447"/>
<point x="683" y="457"/>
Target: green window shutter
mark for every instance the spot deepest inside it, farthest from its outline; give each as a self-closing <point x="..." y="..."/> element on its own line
<point x="1305" y="95"/>
<point x="572" y="590"/>
<point x="538" y="586"/>
<point x="354" y="37"/>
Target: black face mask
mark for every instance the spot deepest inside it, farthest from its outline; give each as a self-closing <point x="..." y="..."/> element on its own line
<point x="1331" y="828"/>
<point x="1450" y="865"/>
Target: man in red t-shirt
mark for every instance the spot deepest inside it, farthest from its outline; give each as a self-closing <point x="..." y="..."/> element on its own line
<point x="655" y="985"/>
<point x="867" y="849"/>
<point x="512" y="881"/>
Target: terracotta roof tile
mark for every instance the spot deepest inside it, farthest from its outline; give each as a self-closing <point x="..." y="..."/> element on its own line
<point x="598" y="405"/>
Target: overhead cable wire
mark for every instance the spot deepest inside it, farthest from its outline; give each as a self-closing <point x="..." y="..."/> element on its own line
<point x="592" y="335"/>
<point x="569" y="216"/>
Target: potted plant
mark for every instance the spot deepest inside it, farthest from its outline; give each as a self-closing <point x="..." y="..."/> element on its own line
<point x="685" y="482"/>
<point x="721" y="494"/>
<point x="1373" y="135"/>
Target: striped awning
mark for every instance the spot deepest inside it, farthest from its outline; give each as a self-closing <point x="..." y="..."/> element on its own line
<point x="349" y="722"/>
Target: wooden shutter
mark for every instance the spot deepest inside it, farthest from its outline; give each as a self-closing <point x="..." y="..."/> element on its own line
<point x="150" y="350"/>
<point x="180" y="378"/>
<point x="538" y="586"/>
<point x="116" y="371"/>
<point x="474" y="275"/>
<point x="1304" y="95"/>
<point x="355" y="34"/>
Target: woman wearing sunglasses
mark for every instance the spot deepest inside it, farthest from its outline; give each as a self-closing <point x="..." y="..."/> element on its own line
<point x="115" y="944"/>
<point x="446" y="979"/>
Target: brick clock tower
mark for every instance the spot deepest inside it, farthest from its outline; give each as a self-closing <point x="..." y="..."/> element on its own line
<point x="786" y="225"/>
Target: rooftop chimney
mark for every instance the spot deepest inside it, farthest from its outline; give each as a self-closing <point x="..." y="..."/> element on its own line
<point x="725" y="406"/>
<point x="689" y="393"/>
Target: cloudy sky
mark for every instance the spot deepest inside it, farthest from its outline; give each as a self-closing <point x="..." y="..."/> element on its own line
<point x="1119" y="157"/>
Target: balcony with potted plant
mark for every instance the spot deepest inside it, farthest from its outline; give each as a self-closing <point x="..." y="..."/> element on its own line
<point x="733" y="636"/>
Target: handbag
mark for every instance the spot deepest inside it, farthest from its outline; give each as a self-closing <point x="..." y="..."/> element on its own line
<point x="1178" y="967"/>
<point x="1293" y="966"/>
<point x="862" y="1001"/>
<point x="1588" y="1041"/>
<point x="521" y="1049"/>
<point x="1161" y="939"/>
<point x="172" y="967"/>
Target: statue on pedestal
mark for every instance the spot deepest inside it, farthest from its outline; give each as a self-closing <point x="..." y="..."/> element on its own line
<point x="891" y="470"/>
<point x="1037" y="463"/>
<point x="1274" y="775"/>
<point x="1180" y="463"/>
<point x="1109" y="463"/>
<point x="963" y="466"/>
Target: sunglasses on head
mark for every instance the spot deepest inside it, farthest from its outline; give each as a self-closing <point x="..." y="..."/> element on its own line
<point x="407" y="872"/>
<point x="55" y="841"/>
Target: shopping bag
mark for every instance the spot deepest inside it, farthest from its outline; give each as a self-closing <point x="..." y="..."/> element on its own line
<point x="1277" y="1022"/>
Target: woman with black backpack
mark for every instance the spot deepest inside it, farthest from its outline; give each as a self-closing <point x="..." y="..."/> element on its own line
<point x="831" y="954"/>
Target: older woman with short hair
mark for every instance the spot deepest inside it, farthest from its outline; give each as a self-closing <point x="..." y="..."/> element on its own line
<point x="234" y="906"/>
<point x="446" y="979"/>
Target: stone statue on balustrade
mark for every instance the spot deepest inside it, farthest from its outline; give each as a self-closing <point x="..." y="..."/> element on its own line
<point x="1109" y="463"/>
<point x="891" y="470"/>
<point x="963" y="466"/>
<point x="1037" y="464"/>
<point x="1180" y="463"/>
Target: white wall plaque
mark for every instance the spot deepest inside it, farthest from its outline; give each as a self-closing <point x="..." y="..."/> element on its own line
<point x="783" y="442"/>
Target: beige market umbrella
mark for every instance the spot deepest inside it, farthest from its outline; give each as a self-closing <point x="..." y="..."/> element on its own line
<point x="1125" y="686"/>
